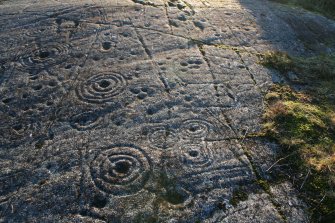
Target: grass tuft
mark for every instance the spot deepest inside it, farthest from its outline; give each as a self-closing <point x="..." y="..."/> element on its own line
<point x="319" y="67"/>
<point x="304" y="124"/>
<point x="325" y="7"/>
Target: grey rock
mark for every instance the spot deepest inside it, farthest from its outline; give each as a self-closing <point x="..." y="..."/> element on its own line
<point x="111" y="113"/>
<point x="292" y="76"/>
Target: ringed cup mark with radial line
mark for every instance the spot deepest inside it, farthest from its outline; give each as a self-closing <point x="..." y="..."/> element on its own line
<point x="121" y="170"/>
<point x="211" y="165"/>
<point x="196" y="156"/>
<point x="162" y="138"/>
<point x="101" y="88"/>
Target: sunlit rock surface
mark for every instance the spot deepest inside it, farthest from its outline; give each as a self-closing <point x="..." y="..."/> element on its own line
<point x="137" y="111"/>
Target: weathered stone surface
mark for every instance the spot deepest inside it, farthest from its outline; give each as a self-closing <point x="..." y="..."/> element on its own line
<point x="286" y="196"/>
<point x="136" y="111"/>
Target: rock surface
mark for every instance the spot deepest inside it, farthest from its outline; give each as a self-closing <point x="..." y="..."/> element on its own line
<point x="136" y="111"/>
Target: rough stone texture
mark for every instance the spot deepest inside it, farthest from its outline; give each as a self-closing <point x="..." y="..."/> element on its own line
<point x="135" y="111"/>
<point x="286" y="196"/>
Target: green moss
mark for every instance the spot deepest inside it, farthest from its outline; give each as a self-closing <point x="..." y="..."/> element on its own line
<point x="39" y="144"/>
<point x="277" y="60"/>
<point x="304" y="124"/>
<point x="325" y="7"/>
<point x="300" y="120"/>
<point x="307" y="128"/>
<point x="316" y="73"/>
<point x="238" y="196"/>
<point x="320" y="197"/>
<point x="301" y="123"/>
<point x="317" y="70"/>
<point x="142" y="218"/>
<point x="264" y="184"/>
<point x="317" y="67"/>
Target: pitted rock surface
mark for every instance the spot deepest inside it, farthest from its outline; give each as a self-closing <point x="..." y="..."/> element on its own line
<point x="136" y="111"/>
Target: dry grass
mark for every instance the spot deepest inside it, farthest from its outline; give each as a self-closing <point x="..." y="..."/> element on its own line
<point x="304" y="123"/>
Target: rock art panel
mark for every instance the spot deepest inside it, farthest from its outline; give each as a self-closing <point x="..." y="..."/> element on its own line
<point x="135" y="111"/>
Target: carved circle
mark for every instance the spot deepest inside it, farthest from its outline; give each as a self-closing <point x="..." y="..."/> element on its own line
<point x="195" y="128"/>
<point x="41" y="57"/>
<point x="196" y="156"/>
<point x="121" y="170"/>
<point x="38" y="30"/>
<point x="87" y="120"/>
<point x="162" y="138"/>
<point x="101" y="88"/>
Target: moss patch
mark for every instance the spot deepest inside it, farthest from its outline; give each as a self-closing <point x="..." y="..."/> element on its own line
<point x="297" y="122"/>
<point x="320" y="67"/>
<point x="303" y="123"/>
<point x="325" y="7"/>
<point x="142" y="218"/>
<point x="238" y="196"/>
<point x="264" y="184"/>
